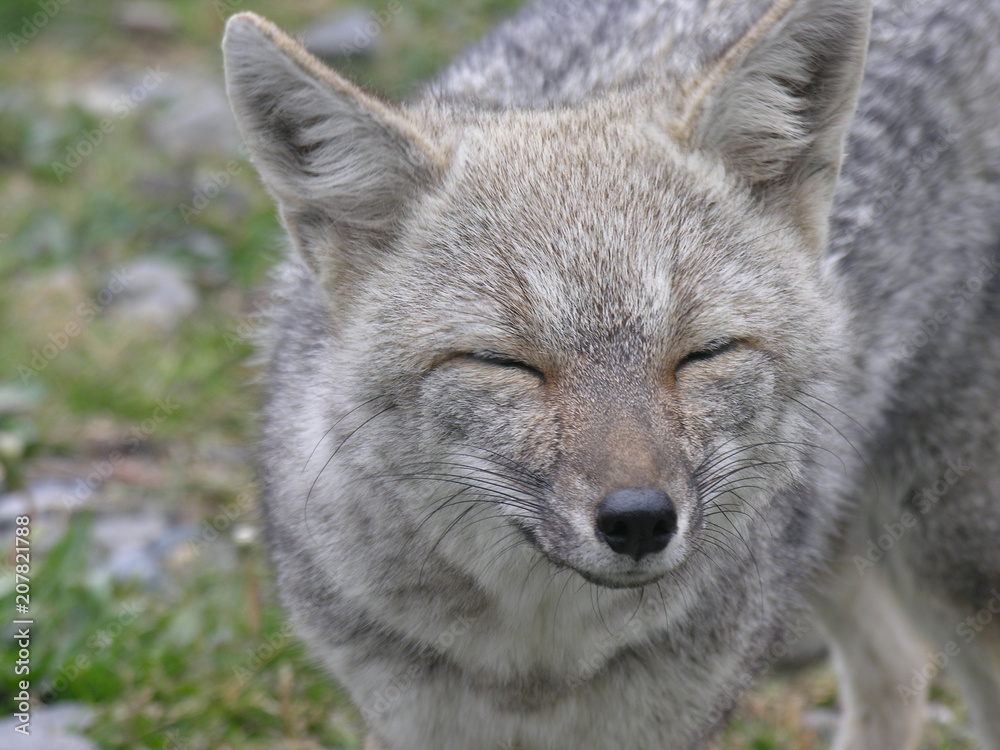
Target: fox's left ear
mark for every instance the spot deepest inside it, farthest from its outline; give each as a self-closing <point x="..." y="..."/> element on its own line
<point x="343" y="166"/>
<point x="777" y="103"/>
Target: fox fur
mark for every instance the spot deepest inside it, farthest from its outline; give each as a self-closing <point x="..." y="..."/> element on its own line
<point x="741" y="253"/>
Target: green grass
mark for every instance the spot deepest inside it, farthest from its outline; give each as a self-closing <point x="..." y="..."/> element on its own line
<point x="178" y="666"/>
<point x="202" y="664"/>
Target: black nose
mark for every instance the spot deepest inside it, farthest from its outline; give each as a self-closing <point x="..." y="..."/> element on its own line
<point x="636" y="522"/>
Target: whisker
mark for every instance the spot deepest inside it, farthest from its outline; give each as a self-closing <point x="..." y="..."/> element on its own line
<point x="842" y="413"/>
<point x="868" y="468"/>
<point x="334" y="425"/>
<point x="312" y="487"/>
<point x="433" y="549"/>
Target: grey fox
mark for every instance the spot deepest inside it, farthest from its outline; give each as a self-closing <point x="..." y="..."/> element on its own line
<point x="641" y="327"/>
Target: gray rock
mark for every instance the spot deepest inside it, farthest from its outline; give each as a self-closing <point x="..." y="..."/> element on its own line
<point x="137" y="546"/>
<point x="118" y="96"/>
<point x="16" y="398"/>
<point x="54" y="727"/>
<point x="156" y="292"/>
<point x="938" y="713"/>
<point x="147" y="17"/>
<point x="194" y="119"/>
<point x="350" y="33"/>
<point x="42" y="496"/>
<point x="822" y="721"/>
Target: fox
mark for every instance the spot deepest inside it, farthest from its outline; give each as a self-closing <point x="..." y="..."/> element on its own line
<point x="643" y="329"/>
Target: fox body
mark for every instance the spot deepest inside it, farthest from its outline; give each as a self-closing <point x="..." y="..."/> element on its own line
<point x="603" y="353"/>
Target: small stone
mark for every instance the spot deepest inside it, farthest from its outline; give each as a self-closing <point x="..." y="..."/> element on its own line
<point x="128" y="542"/>
<point x="12" y="446"/>
<point x="20" y="399"/>
<point x="245" y="535"/>
<point x="350" y="33"/>
<point x="194" y="119"/>
<point x="42" y="496"/>
<point x="147" y="17"/>
<point x="156" y="292"/>
<point x="54" y="727"/>
<point x="939" y="713"/>
<point x="822" y="721"/>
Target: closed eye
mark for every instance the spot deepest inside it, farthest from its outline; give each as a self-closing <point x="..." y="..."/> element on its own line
<point x="709" y="351"/>
<point x="502" y="360"/>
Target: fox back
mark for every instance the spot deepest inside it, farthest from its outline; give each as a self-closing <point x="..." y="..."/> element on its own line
<point x="585" y="356"/>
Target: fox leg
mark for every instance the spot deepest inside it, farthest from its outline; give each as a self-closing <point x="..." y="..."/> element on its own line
<point x="978" y="677"/>
<point x="875" y="650"/>
<point x="371" y="743"/>
<point x="974" y="664"/>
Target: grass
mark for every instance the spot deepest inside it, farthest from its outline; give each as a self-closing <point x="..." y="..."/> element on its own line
<point x="201" y="664"/>
<point x="205" y="659"/>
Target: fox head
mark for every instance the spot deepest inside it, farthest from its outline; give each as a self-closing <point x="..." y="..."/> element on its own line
<point x="604" y="328"/>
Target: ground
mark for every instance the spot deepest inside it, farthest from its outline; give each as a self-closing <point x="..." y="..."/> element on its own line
<point x="136" y="242"/>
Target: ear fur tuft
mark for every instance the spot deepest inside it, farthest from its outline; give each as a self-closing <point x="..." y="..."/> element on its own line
<point x="342" y="165"/>
<point x="777" y="104"/>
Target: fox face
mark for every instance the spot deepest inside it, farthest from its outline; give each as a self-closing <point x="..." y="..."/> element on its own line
<point x="567" y="351"/>
<point x="601" y="333"/>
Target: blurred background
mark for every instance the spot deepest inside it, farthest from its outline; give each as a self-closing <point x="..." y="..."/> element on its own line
<point x="135" y="245"/>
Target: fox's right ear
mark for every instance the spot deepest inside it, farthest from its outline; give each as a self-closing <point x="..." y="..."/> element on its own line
<point x="342" y="165"/>
<point x="776" y="105"/>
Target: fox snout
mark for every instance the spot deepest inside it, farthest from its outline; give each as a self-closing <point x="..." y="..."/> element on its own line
<point x="636" y="522"/>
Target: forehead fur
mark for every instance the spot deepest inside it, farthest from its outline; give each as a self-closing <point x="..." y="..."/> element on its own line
<point x="592" y="220"/>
